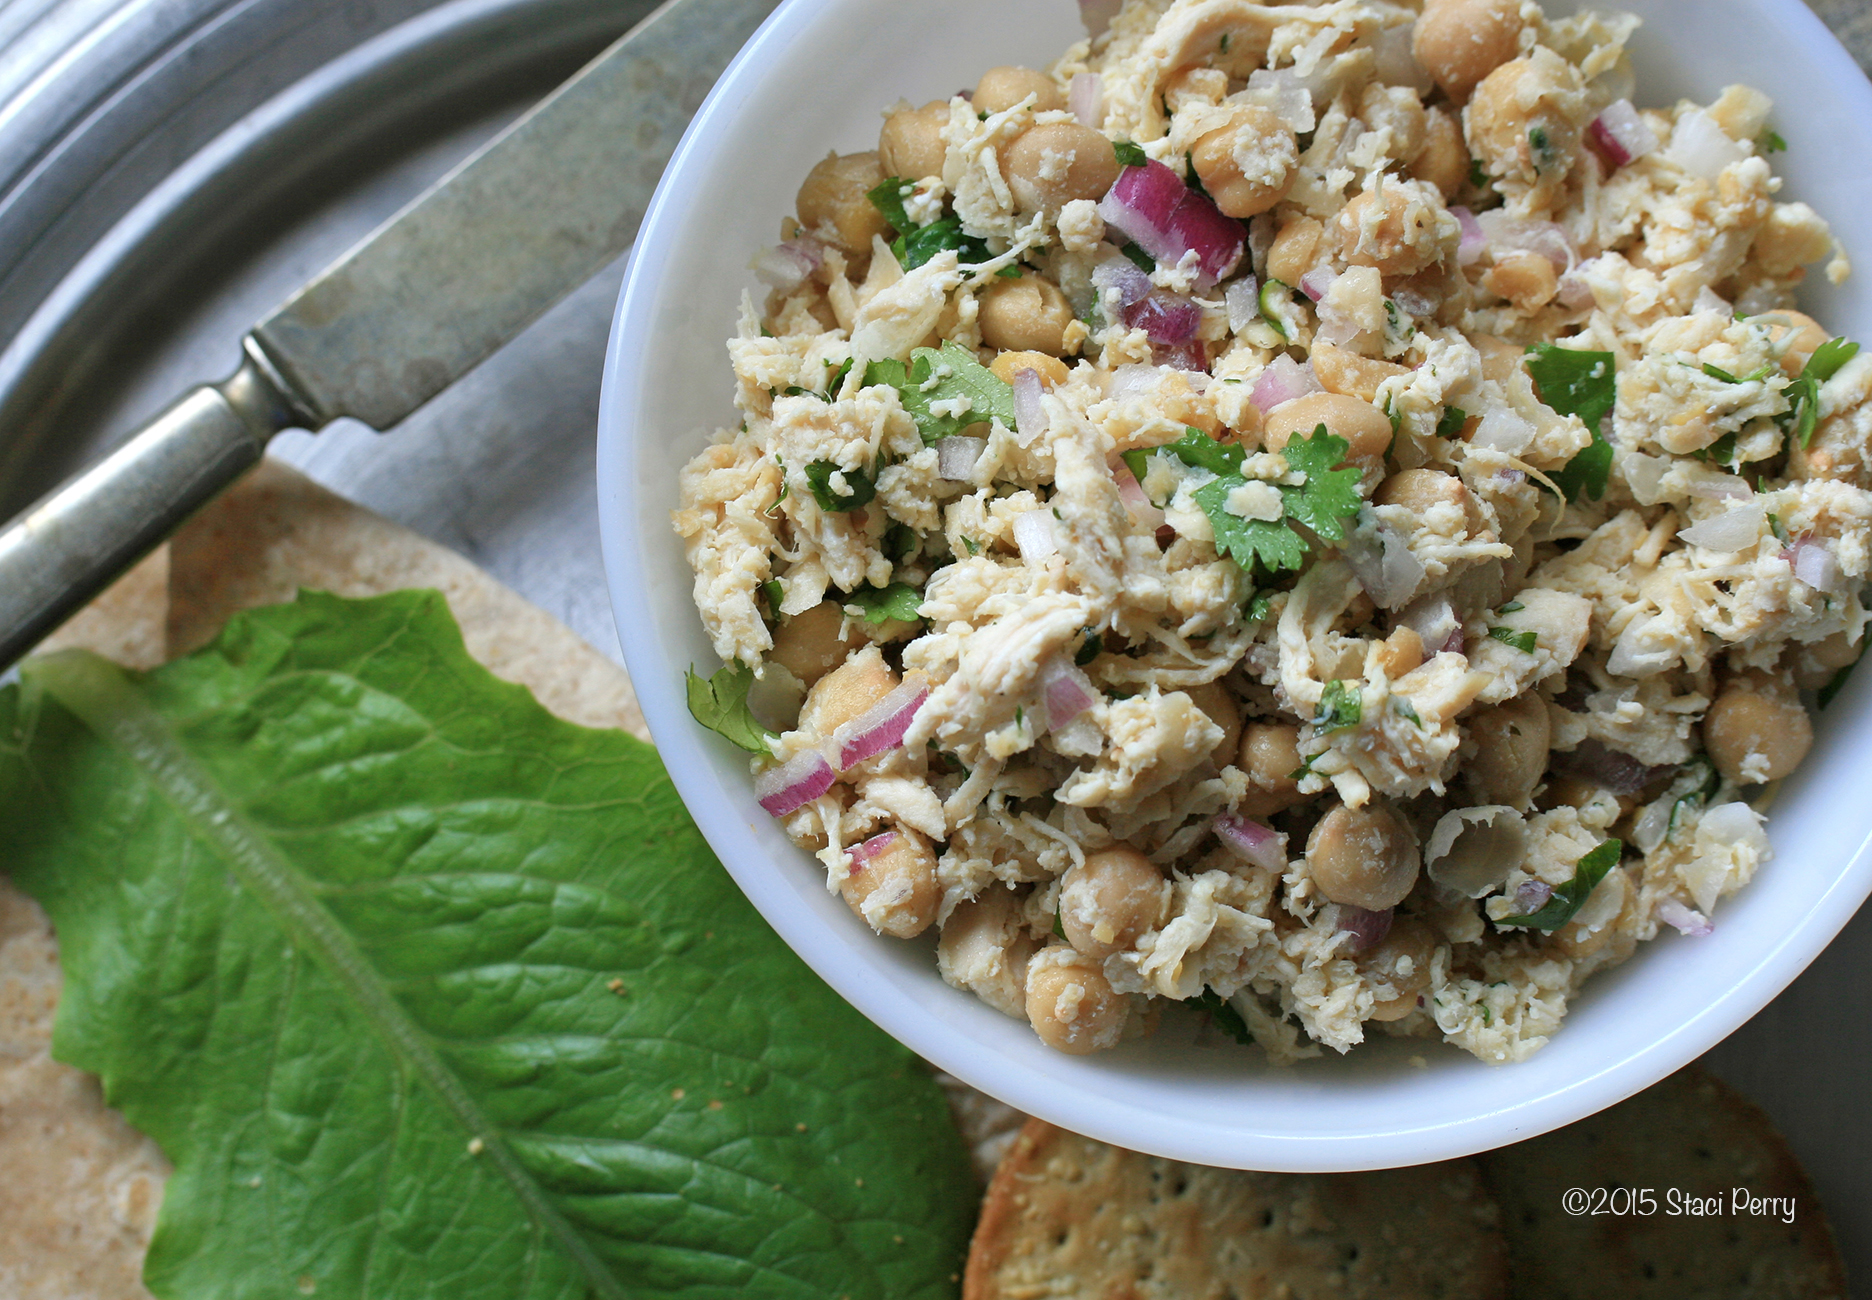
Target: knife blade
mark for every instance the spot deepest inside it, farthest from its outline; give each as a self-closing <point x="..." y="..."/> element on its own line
<point x="422" y="300"/>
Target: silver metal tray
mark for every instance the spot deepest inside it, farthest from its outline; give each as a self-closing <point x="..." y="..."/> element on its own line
<point x="170" y="169"/>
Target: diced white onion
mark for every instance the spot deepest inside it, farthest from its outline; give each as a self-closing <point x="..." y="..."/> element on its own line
<point x="1386" y="568"/>
<point x="1729" y="823"/>
<point x="1284" y="93"/>
<point x="1086" y="98"/>
<point x="1815" y="565"/>
<point x="1396" y="63"/>
<point x="1735" y="529"/>
<point x="1511" y="234"/>
<point x="1701" y="148"/>
<point x="1030" y="417"/>
<point x="1622" y="134"/>
<point x="956" y="457"/>
<point x="1502" y="429"/>
<point x="1243" y="299"/>
<point x="1034" y="534"/>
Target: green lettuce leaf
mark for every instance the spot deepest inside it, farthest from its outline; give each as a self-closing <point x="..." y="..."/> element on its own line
<point x="427" y="993"/>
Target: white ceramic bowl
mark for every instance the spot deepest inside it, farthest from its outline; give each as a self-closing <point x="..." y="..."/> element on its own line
<point x="814" y="78"/>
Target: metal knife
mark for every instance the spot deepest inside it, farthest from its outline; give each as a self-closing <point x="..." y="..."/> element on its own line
<point x="522" y="222"/>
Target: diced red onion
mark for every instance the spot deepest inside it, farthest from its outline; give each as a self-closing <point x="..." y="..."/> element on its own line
<point x="1621" y="134"/>
<point x="1474" y="243"/>
<point x="1316" y="283"/>
<point x="1506" y="234"/>
<point x="882" y="726"/>
<point x="1030" y="417"/>
<point x="863" y="853"/>
<point x="1130" y="379"/>
<point x="1414" y="302"/>
<point x="1683" y="919"/>
<point x="1152" y="205"/>
<point x="956" y="456"/>
<point x="1611" y="769"/>
<point x="1531" y="896"/>
<point x="1282" y="381"/>
<point x="1814" y="564"/>
<point x="1575" y="292"/>
<point x="786" y="266"/>
<point x="1243" y="301"/>
<point x="1191" y="356"/>
<point x="1167" y="318"/>
<point x="794" y="784"/>
<point x="1285" y="94"/>
<point x="1434" y="620"/>
<point x="1086" y="98"/>
<point x="1097" y="14"/>
<point x="1252" y="840"/>
<point x="1364" y="929"/>
<point x="1700" y="147"/>
<point x="1067" y="691"/>
<point x="1034" y="534"/>
<point x="1132" y="494"/>
<point x="1120" y="273"/>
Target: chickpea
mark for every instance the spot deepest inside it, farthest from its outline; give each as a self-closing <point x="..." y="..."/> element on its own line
<point x="846" y="692"/>
<point x="1397" y="109"/>
<point x="808" y="644"/>
<point x="1815" y="664"/>
<point x="1071" y="1005"/>
<point x="1511" y="742"/>
<point x="1400" y="653"/>
<point x="1525" y="279"/>
<point x="1366" y="429"/>
<point x="1270" y="755"/>
<point x="984" y="948"/>
<point x="1052" y="370"/>
<point x="834" y="201"/>
<point x="1807" y="338"/>
<point x="1219" y="706"/>
<point x="1459" y="42"/>
<point x="1294" y="250"/>
<point x="1029" y="314"/>
<point x="1394" y="229"/>
<point x="1247" y="164"/>
<point x="1401" y="959"/>
<point x="1363" y="856"/>
<point x="1050" y="165"/>
<point x="894" y="887"/>
<point x="1001" y="88"/>
<point x="1109" y="900"/>
<point x="1791" y="237"/>
<point x="910" y="144"/>
<point x="1443" y="161"/>
<point x="1517" y="125"/>
<point x="1419" y="490"/>
<point x="1343" y="371"/>
<point x="1500" y="358"/>
<point x="1756" y="732"/>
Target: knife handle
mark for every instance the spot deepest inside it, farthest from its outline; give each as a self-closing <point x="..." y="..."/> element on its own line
<point x="65" y="549"/>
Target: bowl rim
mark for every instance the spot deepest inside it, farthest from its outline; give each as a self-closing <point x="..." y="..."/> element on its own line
<point x="1066" y="1091"/>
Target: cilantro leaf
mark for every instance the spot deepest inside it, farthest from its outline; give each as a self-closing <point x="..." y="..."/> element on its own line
<point x="989" y="397"/>
<point x="1090" y="649"/>
<point x="425" y="991"/>
<point x="888" y="199"/>
<point x="899" y="601"/>
<point x="1321" y="502"/>
<point x="720" y="704"/>
<point x="1577" y="382"/>
<point x="860" y="488"/>
<point x="1330" y="496"/>
<point x="1197" y="449"/>
<point x="1405" y="709"/>
<point x="1803" y="395"/>
<point x="1341" y="708"/>
<point x="1570" y="897"/>
<point x="1522" y="641"/>
<point x="1771" y="142"/>
<point x="1454" y="418"/>
<point x="1130" y="153"/>
<point x="1223" y="1015"/>
<point x="924" y="242"/>
<point x="900" y="540"/>
<point x="775" y="593"/>
<point x="1245" y="541"/>
<point x="1142" y="260"/>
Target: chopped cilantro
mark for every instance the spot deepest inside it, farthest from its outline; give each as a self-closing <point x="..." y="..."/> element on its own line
<point x="1577" y="382"/>
<point x="1721" y="452"/>
<point x="1130" y="154"/>
<point x="989" y="397"/>
<point x="1706" y="782"/>
<point x="1393" y="414"/>
<point x="1405" y="709"/>
<point x="1478" y="174"/>
<point x="1542" y="151"/>
<point x="1093" y="646"/>
<point x="774" y="509"/>
<point x="1803" y="395"/>
<point x="974" y="547"/>
<point x="1753" y="376"/>
<point x="1223" y="47"/>
<point x="859" y="487"/>
<point x="1020" y="716"/>
<point x="1306" y="768"/>
<point x="1139" y="258"/>
<point x="720" y="704"/>
<point x="1256" y="608"/>
<point x="1571" y="896"/>
<point x="899" y="601"/>
<point x="900" y="541"/>
<point x="1321" y="503"/>
<point x="837" y="377"/>
<point x="1340" y="708"/>
<point x="1059" y="925"/>
<point x="1222" y="1013"/>
<point x="1193" y="178"/>
<point x="1198" y="449"/>
<point x="1276" y="303"/>
<point x="924" y="242"/>
<point x="1522" y="641"/>
<point x="1771" y="142"/>
<point x="775" y="593"/>
<point x="1512" y="607"/>
<point x="1451" y="425"/>
<point x="888" y="199"/>
<point x="1778" y="528"/>
<point x="1838" y="681"/>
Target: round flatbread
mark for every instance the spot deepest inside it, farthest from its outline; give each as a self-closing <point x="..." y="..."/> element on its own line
<point x="1689" y="1139"/>
<point x="1068" y="1218"/>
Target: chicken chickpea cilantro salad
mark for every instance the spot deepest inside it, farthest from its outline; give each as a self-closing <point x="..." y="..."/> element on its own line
<point x="1322" y="511"/>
